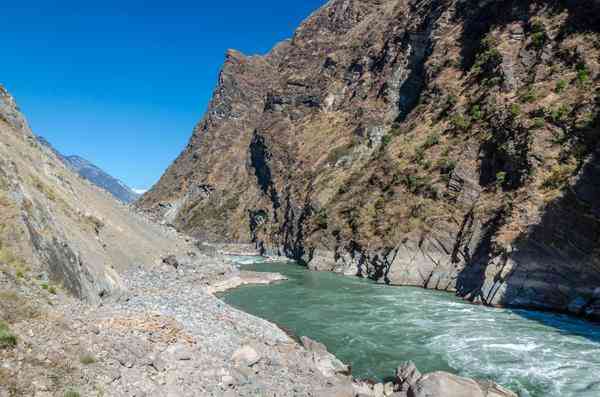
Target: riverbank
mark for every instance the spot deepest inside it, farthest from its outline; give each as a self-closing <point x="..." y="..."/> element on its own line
<point x="374" y="327"/>
<point x="165" y="334"/>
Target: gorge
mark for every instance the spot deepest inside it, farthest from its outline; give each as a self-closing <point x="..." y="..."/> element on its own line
<point x="441" y="154"/>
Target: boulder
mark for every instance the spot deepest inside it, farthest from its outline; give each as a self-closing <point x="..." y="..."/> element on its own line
<point x="171" y="261"/>
<point x="407" y="375"/>
<point x="443" y="384"/>
<point x="325" y="362"/>
<point x="246" y="355"/>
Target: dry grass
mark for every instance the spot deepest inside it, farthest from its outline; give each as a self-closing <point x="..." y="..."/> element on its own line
<point x="15" y="308"/>
<point x="160" y="329"/>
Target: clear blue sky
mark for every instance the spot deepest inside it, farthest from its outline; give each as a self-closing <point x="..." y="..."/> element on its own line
<point x="122" y="83"/>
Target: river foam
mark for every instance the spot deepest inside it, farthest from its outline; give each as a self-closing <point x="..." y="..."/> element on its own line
<point x="376" y="327"/>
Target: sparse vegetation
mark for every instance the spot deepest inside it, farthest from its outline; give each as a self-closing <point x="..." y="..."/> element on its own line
<point x="529" y="96"/>
<point x="560" y="86"/>
<point x="87" y="359"/>
<point x="460" y="122"/>
<point x="558" y="177"/>
<point x="560" y="114"/>
<point x="432" y="140"/>
<point x="7" y="338"/>
<point x="515" y="110"/>
<point x="386" y="140"/>
<point x="44" y="188"/>
<point x="476" y="112"/>
<point x="489" y="58"/>
<point x="338" y="153"/>
<point x="538" y="123"/>
<point x="72" y="393"/>
<point x="500" y="179"/>
<point x="321" y="219"/>
<point x="95" y="223"/>
<point x="538" y="34"/>
<point x="583" y="75"/>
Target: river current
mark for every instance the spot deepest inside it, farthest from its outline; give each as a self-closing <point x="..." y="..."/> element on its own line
<point x="375" y="327"/>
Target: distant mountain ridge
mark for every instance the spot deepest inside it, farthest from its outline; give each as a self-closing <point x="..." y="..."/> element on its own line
<point x="95" y="174"/>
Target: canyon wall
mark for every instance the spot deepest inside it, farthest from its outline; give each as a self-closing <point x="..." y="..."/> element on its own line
<point x="446" y="144"/>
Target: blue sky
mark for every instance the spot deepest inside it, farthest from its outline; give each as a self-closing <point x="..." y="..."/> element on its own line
<point x="122" y="83"/>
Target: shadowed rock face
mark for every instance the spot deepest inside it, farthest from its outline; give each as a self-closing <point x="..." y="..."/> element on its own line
<point x="443" y="144"/>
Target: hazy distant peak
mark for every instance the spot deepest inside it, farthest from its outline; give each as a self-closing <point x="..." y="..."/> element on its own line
<point x="95" y="175"/>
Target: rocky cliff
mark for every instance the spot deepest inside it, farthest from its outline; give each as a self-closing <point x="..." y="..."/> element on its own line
<point x="59" y="230"/>
<point x="438" y="143"/>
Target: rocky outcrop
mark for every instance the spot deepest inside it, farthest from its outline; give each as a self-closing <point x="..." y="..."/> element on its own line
<point x="441" y="144"/>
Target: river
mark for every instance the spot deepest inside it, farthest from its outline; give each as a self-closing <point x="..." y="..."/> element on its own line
<point x="375" y="327"/>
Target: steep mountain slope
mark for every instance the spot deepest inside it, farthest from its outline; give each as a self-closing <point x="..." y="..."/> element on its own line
<point x="444" y="144"/>
<point x="95" y="175"/>
<point x="55" y="225"/>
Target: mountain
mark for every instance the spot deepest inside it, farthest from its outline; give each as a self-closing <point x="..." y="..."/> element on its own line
<point x="437" y="143"/>
<point x="95" y="175"/>
<point x="56" y="225"/>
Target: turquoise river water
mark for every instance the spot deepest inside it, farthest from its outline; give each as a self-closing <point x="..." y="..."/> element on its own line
<point x="375" y="327"/>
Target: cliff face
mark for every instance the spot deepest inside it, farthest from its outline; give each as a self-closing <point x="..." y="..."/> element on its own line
<point x="445" y="144"/>
<point x="57" y="228"/>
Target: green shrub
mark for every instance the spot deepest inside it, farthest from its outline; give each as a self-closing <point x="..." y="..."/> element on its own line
<point x="419" y="155"/>
<point x="538" y="123"/>
<point x="560" y="114"/>
<point x="489" y="58"/>
<point x="515" y="110"/>
<point x="7" y="338"/>
<point x="583" y="75"/>
<point x="451" y="101"/>
<point x="461" y="122"/>
<point x="529" y="96"/>
<point x="432" y="140"/>
<point x="72" y="393"/>
<point x="500" y="179"/>
<point x="446" y="166"/>
<point x="560" y="86"/>
<point x="476" y="112"/>
<point x="87" y="359"/>
<point x="386" y="140"/>
<point x="538" y="39"/>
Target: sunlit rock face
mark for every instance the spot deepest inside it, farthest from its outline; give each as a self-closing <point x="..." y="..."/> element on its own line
<point x="444" y="144"/>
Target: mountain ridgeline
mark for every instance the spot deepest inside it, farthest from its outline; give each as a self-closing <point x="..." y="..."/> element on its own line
<point x="95" y="175"/>
<point x="449" y="144"/>
<point x="59" y="229"/>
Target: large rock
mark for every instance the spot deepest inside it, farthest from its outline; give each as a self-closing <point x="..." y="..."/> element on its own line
<point x="246" y="355"/>
<point x="326" y="362"/>
<point x="407" y="375"/>
<point x="443" y="384"/>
